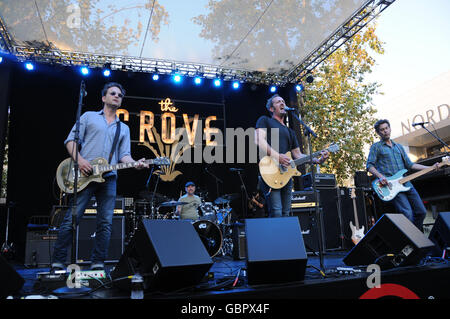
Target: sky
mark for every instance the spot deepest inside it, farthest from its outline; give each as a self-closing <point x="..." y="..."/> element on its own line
<point x="417" y="47"/>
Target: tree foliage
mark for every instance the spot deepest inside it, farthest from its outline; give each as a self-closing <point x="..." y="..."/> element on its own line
<point x="338" y="103"/>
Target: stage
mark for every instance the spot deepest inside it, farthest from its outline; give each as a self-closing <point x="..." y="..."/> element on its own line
<point x="226" y="280"/>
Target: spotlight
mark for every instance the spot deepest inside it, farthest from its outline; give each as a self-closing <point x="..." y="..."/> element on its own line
<point x="155" y="77"/>
<point x="177" y="78"/>
<point x="106" y="72"/>
<point x="29" y="66"/>
<point x="310" y="79"/>
<point x="236" y="85"/>
<point x="217" y="82"/>
<point x="273" y="89"/>
<point x="84" y="70"/>
<point x="1" y="59"/>
<point x="299" y="87"/>
<point x="198" y="80"/>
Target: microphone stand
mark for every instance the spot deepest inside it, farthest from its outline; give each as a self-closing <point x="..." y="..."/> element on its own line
<point x="244" y="192"/>
<point x="217" y="181"/>
<point x="436" y="137"/>
<point x="308" y="133"/>
<point x="67" y="290"/>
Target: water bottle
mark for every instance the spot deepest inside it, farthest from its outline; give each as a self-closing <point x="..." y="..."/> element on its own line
<point x="137" y="287"/>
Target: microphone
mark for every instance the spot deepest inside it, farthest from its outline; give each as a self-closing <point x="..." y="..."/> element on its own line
<point x="233" y="169"/>
<point x="419" y="123"/>
<point x="289" y="108"/>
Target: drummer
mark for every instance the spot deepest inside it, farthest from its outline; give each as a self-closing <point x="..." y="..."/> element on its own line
<point x="190" y="210"/>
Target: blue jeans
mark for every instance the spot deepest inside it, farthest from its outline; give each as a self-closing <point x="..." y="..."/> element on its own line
<point x="410" y="204"/>
<point x="105" y="194"/>
<point x="278" y="200"/>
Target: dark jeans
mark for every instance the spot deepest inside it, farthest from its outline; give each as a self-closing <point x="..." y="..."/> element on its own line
<point x="278" y="201"/>
<point x="105" y="194"/>
<point x="410" y="204"/>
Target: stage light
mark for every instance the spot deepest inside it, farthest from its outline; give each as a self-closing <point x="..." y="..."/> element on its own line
<point x="236" y="85"/>
<point x="310" y="79"/>
<point x="29" y="66"/>
<point x="1" y="59"/>
<point x="177" y="78"/>
<point x="273" y="89"/>
<point x="198" y="80"/>
<point x="84" y="70"/>
<point x="217" y="82"/>
<point x="106" y="72"/>
<point x="299" y="87"/>
<point x="155" y="77"/>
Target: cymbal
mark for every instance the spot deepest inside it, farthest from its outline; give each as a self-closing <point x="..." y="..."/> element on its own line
<point x="226" y="198"/>
<point x="172" y="203"/>
<point x="157" y="197"/>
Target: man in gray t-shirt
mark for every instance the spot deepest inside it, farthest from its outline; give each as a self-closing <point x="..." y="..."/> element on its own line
<point x="190" y="210"/>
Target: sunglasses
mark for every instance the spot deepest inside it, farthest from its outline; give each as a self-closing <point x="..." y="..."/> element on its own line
<point x="118" y="94"/>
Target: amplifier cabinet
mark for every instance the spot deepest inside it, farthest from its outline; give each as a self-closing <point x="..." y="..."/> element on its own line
<point x="86" y="235"/>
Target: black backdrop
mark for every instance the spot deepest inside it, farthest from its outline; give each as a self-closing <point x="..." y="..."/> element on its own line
<point x="43" y="106"/>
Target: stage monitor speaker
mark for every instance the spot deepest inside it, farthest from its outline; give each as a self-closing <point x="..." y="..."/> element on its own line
<point x="275" y="250"/>
<point x="440" y="233"/>
<point x="10" y="281"/>
<point x="86" y="232"/>
<point x="393" y="241"/>
<point x="167" y="253"/>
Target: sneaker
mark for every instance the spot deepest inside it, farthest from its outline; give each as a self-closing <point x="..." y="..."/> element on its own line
<point x="56" y="267"/>
<point x="97" y="266"/>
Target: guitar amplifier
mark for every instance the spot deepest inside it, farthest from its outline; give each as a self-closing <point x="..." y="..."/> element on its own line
<point x="118" y="209"/>
<point x="302" y="199"/>
<point x="322" y="180"/>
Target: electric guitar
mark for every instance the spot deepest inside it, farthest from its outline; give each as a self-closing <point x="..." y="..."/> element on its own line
<point x="65" y="174"/>
<point x="276" y="175"/>
<point x="395" y="182"/>
<point x="357" y="232"/>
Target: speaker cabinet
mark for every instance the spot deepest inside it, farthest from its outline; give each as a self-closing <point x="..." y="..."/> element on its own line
<point x="309" y="225"/>
<point x="10" y="281"/>
<point x="393" y="234"/>
<point x="39" y="248"/>
<point x="275" y="250"/>
<point x="167" y="253"/>
<point x="86" y="232"/>
<point x="440" y="233"/>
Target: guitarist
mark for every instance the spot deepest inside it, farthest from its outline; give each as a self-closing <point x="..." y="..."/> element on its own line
<point x="97" y="136"/>
<point x="278" y="201"/>
<point x="385" y="159"/>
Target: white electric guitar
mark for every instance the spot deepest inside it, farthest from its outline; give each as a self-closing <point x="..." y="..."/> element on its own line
<point x="357" y="232"/>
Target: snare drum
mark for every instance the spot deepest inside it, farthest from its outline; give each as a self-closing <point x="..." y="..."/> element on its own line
<point x="210" y="235"/>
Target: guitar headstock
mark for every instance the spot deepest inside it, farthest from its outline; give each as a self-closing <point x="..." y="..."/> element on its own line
<point x="445" y="161"/>
<point x="333" y="148"/>
<point x="161" y="161"/>
<point x="352" y="193"/>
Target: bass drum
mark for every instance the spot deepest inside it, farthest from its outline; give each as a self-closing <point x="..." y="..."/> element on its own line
<point x="210" y="235"/>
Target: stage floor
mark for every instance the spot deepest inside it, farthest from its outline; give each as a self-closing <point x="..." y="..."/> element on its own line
<point x="326" y="279"/>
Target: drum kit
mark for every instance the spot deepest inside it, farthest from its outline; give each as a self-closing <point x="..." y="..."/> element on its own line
<point x="214" y="225"/>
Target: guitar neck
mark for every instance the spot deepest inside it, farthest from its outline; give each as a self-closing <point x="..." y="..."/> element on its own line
<point x="418" y="174"/>
<point x="113" y="167"/>
<point x="305" y="159"/>
<point x="356" y="213"/>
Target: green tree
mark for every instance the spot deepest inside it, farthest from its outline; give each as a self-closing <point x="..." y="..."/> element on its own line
<point x="338" y="104"/>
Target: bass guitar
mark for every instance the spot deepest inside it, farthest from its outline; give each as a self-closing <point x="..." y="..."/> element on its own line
<point x="396" y="182"/>
<point x="276" y="175"/>
<point x="357" y="232"/>
<point x="65" y="174"/>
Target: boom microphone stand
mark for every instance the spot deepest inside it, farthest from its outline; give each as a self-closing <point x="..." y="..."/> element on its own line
<point x="436" y="137"/>
<point x="308" y="133"/>
<point x="77" y="288"/>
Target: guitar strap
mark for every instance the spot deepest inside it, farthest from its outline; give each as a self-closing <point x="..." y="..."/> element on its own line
<point x="116" y="138"/>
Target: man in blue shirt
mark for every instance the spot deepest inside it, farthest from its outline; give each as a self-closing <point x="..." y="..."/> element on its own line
<point x="96" y="135"/>
<point x="385" y="159"/>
